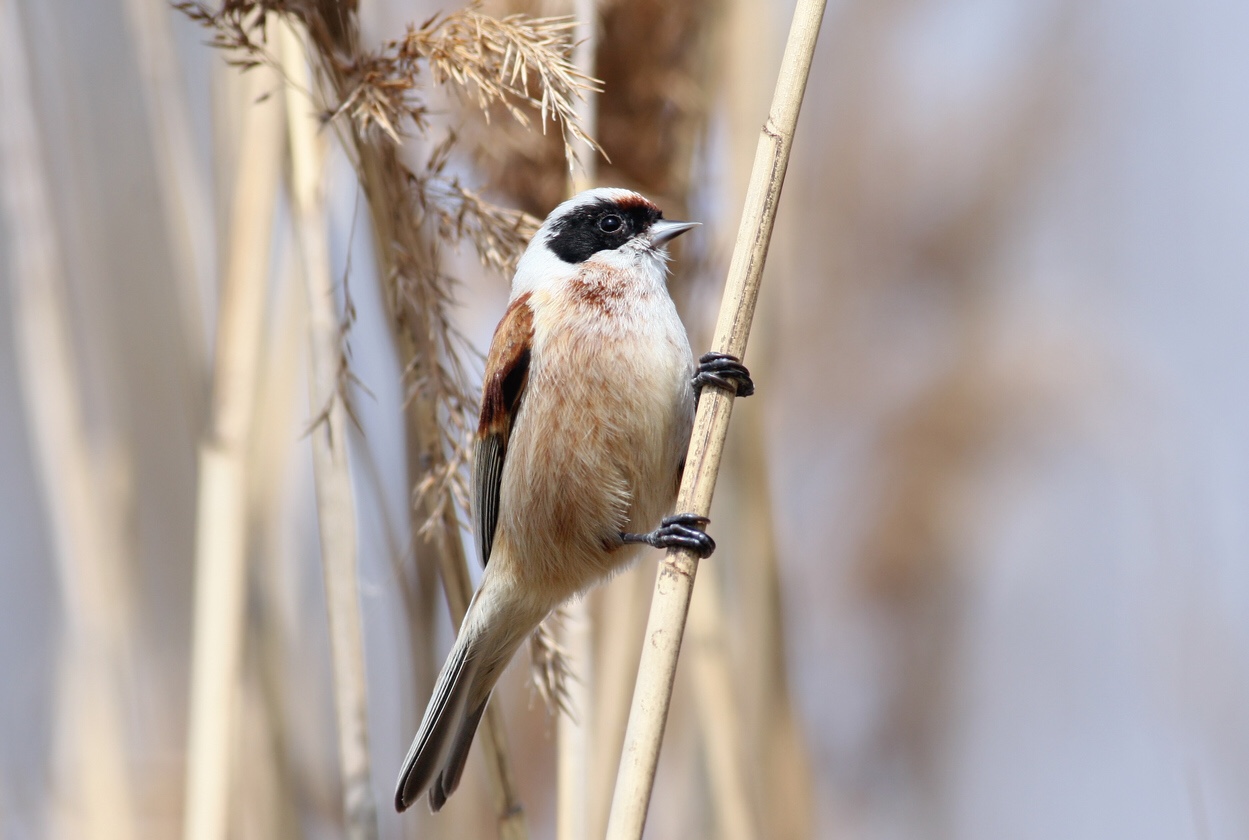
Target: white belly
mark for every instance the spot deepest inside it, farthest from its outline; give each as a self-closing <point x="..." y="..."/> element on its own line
<point x="597" y="446"/>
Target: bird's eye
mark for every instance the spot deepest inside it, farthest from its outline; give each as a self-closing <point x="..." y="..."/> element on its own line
<point x="609" y="224"/>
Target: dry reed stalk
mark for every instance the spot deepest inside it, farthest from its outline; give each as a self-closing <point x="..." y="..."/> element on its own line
<point x="620" y="612"/>
<point x="780" y="785"/>
<point x="575" y="717"/>
<point x="92" y="798"/>
<point x="185" y="206"/>
<point x="575" y="722"/>
<point x="266" y="787"/>
<point x="719" y="717"/>
<point x="221" y="517"/>
<point x="675" y="582"/>
<point x="336" y="513"/>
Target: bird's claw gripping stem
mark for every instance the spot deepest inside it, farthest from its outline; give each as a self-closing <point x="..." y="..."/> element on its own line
<point x="723" y="371"/>
<point x="682" y="530"/>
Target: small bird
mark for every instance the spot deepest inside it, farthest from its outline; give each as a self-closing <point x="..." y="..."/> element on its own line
<point x="586" y="411"/>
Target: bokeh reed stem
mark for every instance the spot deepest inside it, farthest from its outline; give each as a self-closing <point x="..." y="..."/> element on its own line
<point x="336" y="512"/>
<point x="221" y="520"/>
<point x="91" y="798"/>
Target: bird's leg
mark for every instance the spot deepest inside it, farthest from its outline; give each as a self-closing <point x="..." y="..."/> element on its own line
<point x="685" y="530"/>
<point x="682" y="530"/>
<point x="723" y="371"/>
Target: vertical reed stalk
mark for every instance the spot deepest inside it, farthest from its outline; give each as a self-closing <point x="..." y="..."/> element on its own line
<point x="335" y="500"/>
<point x="92" y="792"/>
<point x="621" y="614"/>
<point x="269" y="769"/>
<point x="719" y="716"/>
<point x="675" y="582"/>
<point x="184" y="197"/>
<point x="221" y="526"/>
<point x="572" y="732"/>
<point x="577" y="642"/>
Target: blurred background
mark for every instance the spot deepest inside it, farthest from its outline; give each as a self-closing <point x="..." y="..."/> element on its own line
<point x="984" y="564"/>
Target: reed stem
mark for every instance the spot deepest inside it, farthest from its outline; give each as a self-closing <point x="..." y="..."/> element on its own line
<point x="674" y="584"/>
<point x="336" y="510"/>
<point x="574" y="723"/>
<point x="221" y="517"/>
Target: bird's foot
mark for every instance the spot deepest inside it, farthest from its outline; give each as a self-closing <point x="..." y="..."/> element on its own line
<point x="723" y="371"/>
<point x="682" y="530"/>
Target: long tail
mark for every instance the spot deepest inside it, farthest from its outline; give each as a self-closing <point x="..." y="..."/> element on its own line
<point x="488" y="638"/>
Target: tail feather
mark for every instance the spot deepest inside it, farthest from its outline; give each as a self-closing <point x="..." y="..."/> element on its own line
<point x="453" y="768"/>
<point x="492" y="630"/>
<point x="442" y="719"/>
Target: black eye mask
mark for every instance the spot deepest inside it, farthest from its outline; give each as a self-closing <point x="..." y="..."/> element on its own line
<point x="603" y="225"/>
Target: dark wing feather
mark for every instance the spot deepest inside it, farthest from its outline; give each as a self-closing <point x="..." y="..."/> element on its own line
<point x="507" y="373"/>
<point x="487" y="478"/>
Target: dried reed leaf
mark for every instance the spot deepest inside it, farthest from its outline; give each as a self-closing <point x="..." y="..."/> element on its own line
<point x="516" y="62"/>
<point x="494" y="58"/>
<point x="549" y="668"/>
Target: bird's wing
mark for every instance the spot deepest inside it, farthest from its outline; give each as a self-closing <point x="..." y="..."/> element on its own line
<point x="507" y="371"/>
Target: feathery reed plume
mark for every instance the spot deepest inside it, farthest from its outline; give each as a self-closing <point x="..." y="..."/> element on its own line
<point x="674" y="587"/>
<point x="550" y="668"/>
<point x="492" y="58"/>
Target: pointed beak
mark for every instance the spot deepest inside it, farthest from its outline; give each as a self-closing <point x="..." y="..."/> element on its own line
<point x="664" y="231"/>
